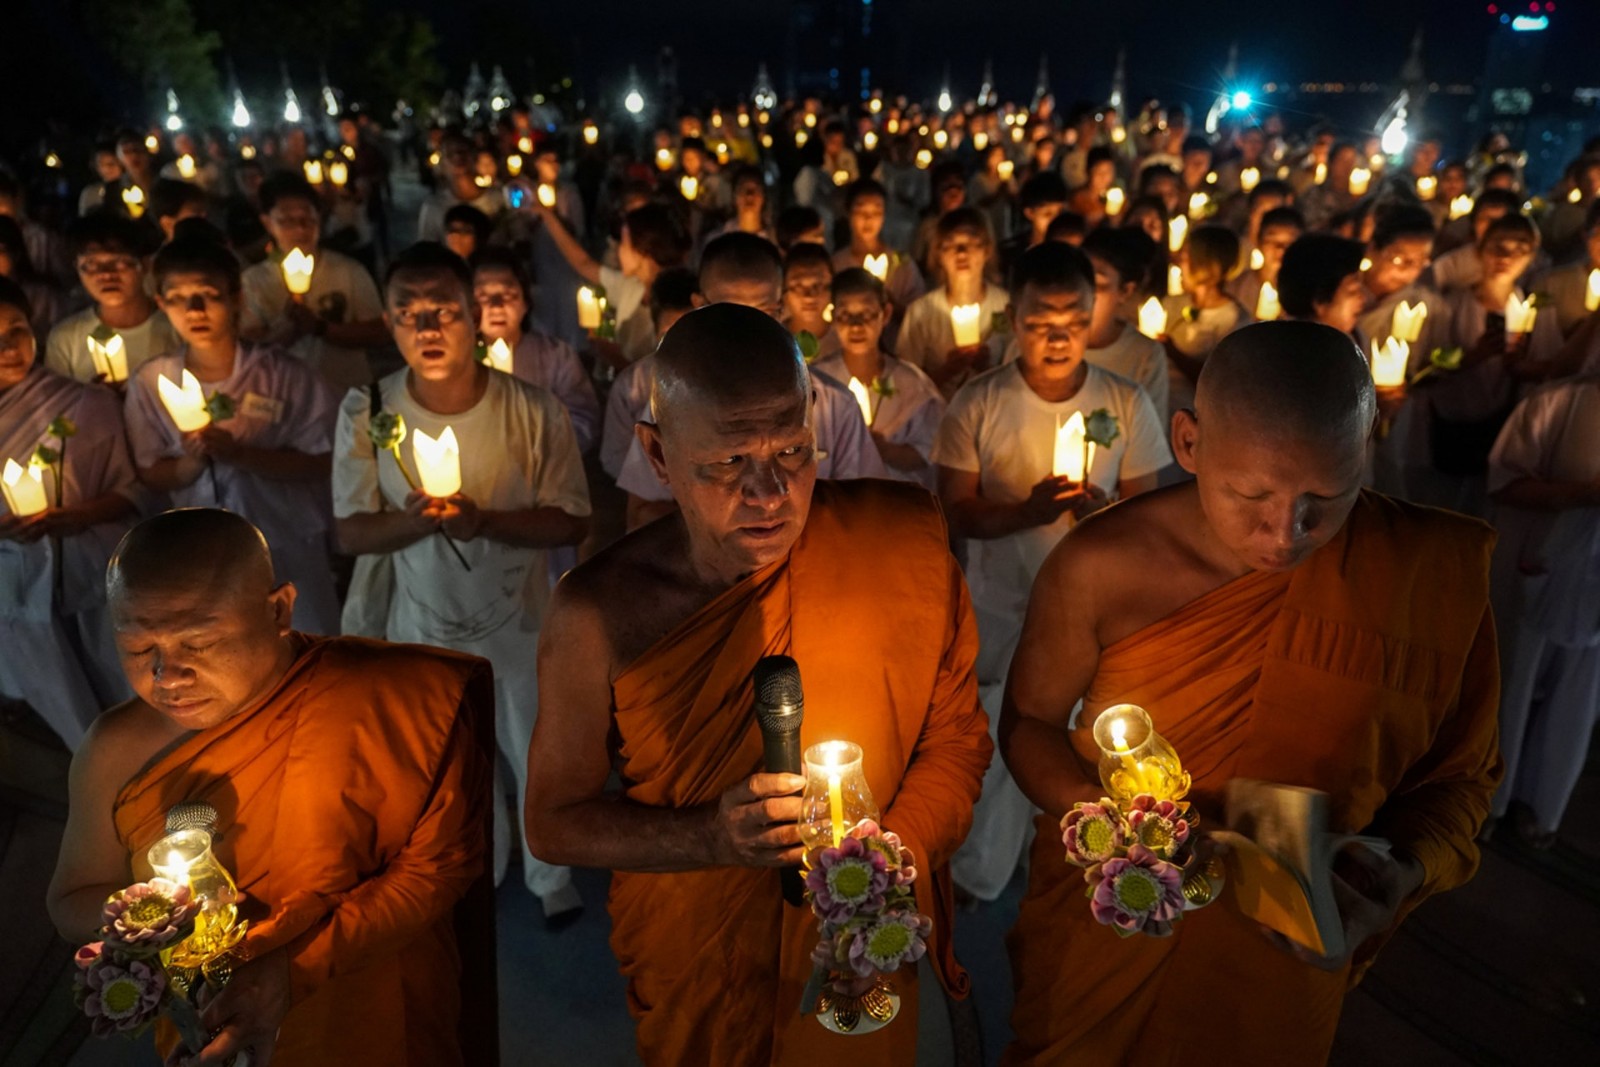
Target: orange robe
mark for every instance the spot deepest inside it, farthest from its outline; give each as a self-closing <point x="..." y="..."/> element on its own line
<point x="353" y="812"/>
<point x="872" y="606"/>
<point x="1368" y="672"/>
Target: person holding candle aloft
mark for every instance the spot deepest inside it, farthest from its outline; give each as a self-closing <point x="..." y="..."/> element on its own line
<point x="900" y="404"/>
<point x="521" y="493"/>
<point x="350" y="784"/>
<point x="928" y="338"/>
<point x="866" y="206"/>
<point x="59" y="656"/>
<point x="556" y="294"/>
<point x="331" y="326"/>
<point x="109" y="252"/>
<point x="997" y="479"/>
<point x="645" y="668"/>
<point x="262" y="448"/>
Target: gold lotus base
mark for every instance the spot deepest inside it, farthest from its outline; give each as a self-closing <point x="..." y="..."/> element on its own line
<point x="872" y="1010"/>
<point x="1202" y="883"/>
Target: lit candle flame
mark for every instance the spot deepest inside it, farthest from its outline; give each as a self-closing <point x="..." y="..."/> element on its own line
<point x="1197" y="204"/>
<point x="1115" y="198"/>
<point x="591" y="133"/>
<point x="438" y="462"/>
<point x="1073" y="456"/>
<point x="186" y="167"/>
<point x="1591" y="296"/>
<point x="588" y="309"/>
<point x="24" y="489"/>
<point x="1360" y="179"/>
<point x="1177" y="233"/>
<point x="1249" y="178"/>
<point x="1174" y="280"/>
<point x="1152" y="319"/>
<point x="689" y="185"/>
<point x="1427" y="186"/>
<point x="185" y="402"/>
<point x="500" y="355"/>
<point x="863" y="397"/>
<point x="313" y="169"/>
<point x="338" y="173"/>
<point x="1267" y="307"/>
<point x="547" y="194"/>
<point x="110" y="358"/>
<point x="877" y="266"/>
<point x="1408" y="320"/>
<point x="964" y="322"/>
<point x="1520" y="314"/>
<point x="1461" y="207"/>
<point x="1389" y="361"/>
<point x="297" y="268"/>
<point x="1257" y="259"/>
<point x="514" y="164"/>
<point x="133" y="200"/>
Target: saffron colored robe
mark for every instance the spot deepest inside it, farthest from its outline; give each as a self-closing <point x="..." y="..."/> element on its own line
<point x="872" y="606"/>
<point x="1368" y="672"/>
<point x="353" y="813"/>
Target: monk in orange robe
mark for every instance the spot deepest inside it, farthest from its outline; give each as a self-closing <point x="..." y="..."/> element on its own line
<point x="351" y="783"/>
<point x="645" y="667"/>
<point x="1278" y="623"/>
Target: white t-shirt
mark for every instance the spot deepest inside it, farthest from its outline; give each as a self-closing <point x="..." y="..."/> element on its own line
<point x="1000" y="429"/>
<point x="1196" y="338"/>
<point x="927" y="337"/>
<point x="67" y="350"/>
<point x="551" y="364"/>
<point x="341" y="291"/>
<point x="1140" y="359"/>
<point x="636" y="334"/>
<point x="517" y="451"/>
<point x="906" y="409"/>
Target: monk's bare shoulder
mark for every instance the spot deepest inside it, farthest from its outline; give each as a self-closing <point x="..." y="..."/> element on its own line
<point x="1127" y="539"/>
<point x="611" y="605"/>
<point x="122" y="741"/>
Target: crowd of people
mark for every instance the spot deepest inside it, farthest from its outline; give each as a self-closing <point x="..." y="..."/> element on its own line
<point x="959" y="286"/>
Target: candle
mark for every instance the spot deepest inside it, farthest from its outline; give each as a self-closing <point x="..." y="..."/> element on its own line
<point x="869" y="140"/>
<point x="1017" y="134"/>
<point x="811" y="119"/>
<point x="1118" y="135"/>
<point x="1152" y="318"/>
<point x="547" y="194"/>
<point x="591" y="133"/>
<point x="133" y="200"/>
<point x="1591" y="296"/>
<point x="924" y="159"/>
<point x="1249" y="178"/>
<point x="348" y="151"/>
<point x="863" y="397"/>
<point x="1073" y="458"/>
<point x="1520" y="314"/>
<point x="438" y="462"/>
<point x="1407" y="322"/>
<point x="1177" y="233"/>
<point x="1461" y="206"/>
<point x="110" y="358"/>
<point x="1119" y="742"/>
<point x="940" y="139"/>
<point x="841" y="177"/>
<point x="1174" y="280"/>
<point x="1360" y="178"/>
<point x="24" y="489"/>
<point x="877" y="266"/>
<point x="514" y="164"/>
<point x="1257" y="260"/>
<point x="500" y="355"/>
<point x="1114" y="200"/>
<point x="186" y="167"/>
<point x="185" y="403"/>
<point x="663" y="159"/>
<point x="980" y="141"/>
<point x="1427" y="186"/>
<point x="588" y="309"/>
<point x="152" y="144"/>
<point x="964" y="321"/>
<point x="247" y="151"/>
<point x="1007" y="169"/>
<point x="297" y="268"/>
<point x="313" y="169"/>
<point x="1321" y="174"/>
<point x="1389" y="362"/>
<point x="1267" y="307"/>
<point x="339" y="173"/>
<point x="483" y="181"/>
<point x="1197" y="204"/>
<point x="1575" y="196"/>
<point x="836" y="806"/>
<point x="800" y="138"/>
<point x="689" y="185"/>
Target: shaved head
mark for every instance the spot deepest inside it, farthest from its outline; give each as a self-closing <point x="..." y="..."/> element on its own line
<point x="191" y="545"/>
<point x="724" y="356"/>
<point x="1300" y="379"/>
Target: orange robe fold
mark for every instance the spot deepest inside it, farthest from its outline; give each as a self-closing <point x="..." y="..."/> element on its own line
<point x="871" y="605"/>
<point x="1369" y="672"/>
<point x="353" y="809"/>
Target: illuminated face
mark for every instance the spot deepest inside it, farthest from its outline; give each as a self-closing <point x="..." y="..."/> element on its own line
<point x="18" y="349"/>
<point x="107" y="166"/>
<point x="1342" y="311"/>
<point x="547" y="166"/>
<point x="805" y="291"/>
<point x="866" y="220"/>
<point x="200" y="307"/>
<point x="1452" y="183"/>
<point x="858" y="321"/>
<point x="111" y="277"/>
<point x="294" y="223"/>
<point x="1052" y="331"/>
<point x="1101" y="175"/>
<point x="963" y="255"/>
<point x="750" y="196"/>
<point x="1399" y="265"/>
<point x="1272" y="499"/>
<point x="1506" y="257"/>
<point x="432" y="319"/>
<point x="193" y="656"/>
<point x="501" y="302"/>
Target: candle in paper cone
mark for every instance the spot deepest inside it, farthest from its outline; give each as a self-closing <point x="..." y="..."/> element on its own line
<point x="133" y="200"/>
<point x="1072" y="456"/>
<point x="1174" y="280"/>
<point x="964" y="321"/>
<point x="800" y="138"/>
<point x="1267" y="307"/>
<point x="1360" y="179"/>
<point x="1389" y="362"/>
<point x="663" y="159"/>
<point x="591" y="133"/>
<point x="841" y="177"/>
<point x="1591" y="295"/>
<point x="186" y="167"/>
<point x="1017" y="134"/>
<point x="869" y="140"/>
<point x="152" y="144"/>
<point x="1407" y="322"/>
<point x="877" y="266"/>
<point x="1575" y="196"/>
<point x="297" y="268"/>
<point x="110" y="357"/>
<point x="24" y="489"/>
<point x="1520" y="314"/>
<point x="547" y="194"/>
<point x="1461" y="206"/>
<point x="588" y="309"/>
<point x="1115" y="198"/>
<point x="338" y="173"/>
<point x="438" y="462"/>
<point x="500" y="355"/>
<point x="1152" y="318"/>
<point x="1249" y="178"/>
<point x="1197" y="204"/>
<point x="525" y="144"/>
<point x="514" y="164"/>
<point x="1257" y="260"/>
<point x="1177" y="233"/>
<point x="863" y="397"/>
<point x="941" y="139"/>
<point x="980" y="141"/>
<point x="1007" y="169"/>
<point x="689" y="185"/>
<point x="924" y="159"/>
<point x="1118" y="135"/>
<point x="1427" y="186"/>
<point x="313" y="169"/>
<point x="185" y="403"/>
<point x="1321" y="174"/>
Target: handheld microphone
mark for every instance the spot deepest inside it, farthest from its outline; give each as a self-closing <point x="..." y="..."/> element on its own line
<point x="780" y="707"/>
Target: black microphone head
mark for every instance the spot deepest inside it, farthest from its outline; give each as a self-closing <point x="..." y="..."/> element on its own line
<point x="780" y="704"/>
<point x="192" y="815"/>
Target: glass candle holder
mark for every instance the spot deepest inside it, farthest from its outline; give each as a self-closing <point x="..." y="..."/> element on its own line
<point x="1135" y="759"/>
<point x="836" y="796"/>
<point x="185" y="857"/>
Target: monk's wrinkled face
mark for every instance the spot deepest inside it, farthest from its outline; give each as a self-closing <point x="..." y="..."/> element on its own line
<point x="199" y="648"/>
<point x="17" y="346"/>
<point x="432" y="318"/>
<point x="1398" y="264"/>
<point x="1052" y="331"/>
<point x="1271" y="498"/>
<point x="742" y="472"/>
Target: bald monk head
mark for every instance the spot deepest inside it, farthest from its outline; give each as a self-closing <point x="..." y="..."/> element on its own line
<point x="200" y="623"/>
<point x="742" y="268"/>
<point x="733" y="437"/>
<point x="1277" y="439"/>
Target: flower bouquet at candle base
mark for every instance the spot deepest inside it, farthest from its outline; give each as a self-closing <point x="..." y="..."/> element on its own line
<point x="1141" y="862"/>
<point x="156" y="955"/>
<point x="860" y="891"/>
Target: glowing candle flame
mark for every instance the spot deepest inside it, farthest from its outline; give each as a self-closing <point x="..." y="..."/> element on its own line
<point x="877" y="266"/>
<point x="1152" y="318"/>
<point x="1267" y="307"/>
<point x="297" y="268"/>
<point x="964" y="322"/>
<point x="185" y="402"/>
<point x="110" y="358"/>
<point x="863" y="397"/>
<point x="1389" y="362"/>
<point x="500" y="355"/>
<point x="588" y="309"/>
<point x="438" y="462"/>
<point x="24" y="489"/>
<point x="1249" y="178"/>
<point x="1520" y="314"/>
<point x="1177" y="233"/>
<point x="1408" y="320"/>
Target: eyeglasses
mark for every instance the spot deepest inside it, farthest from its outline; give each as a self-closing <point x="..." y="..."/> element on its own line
<point x="108" y="265"/>
<point x="420" y="318"/>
